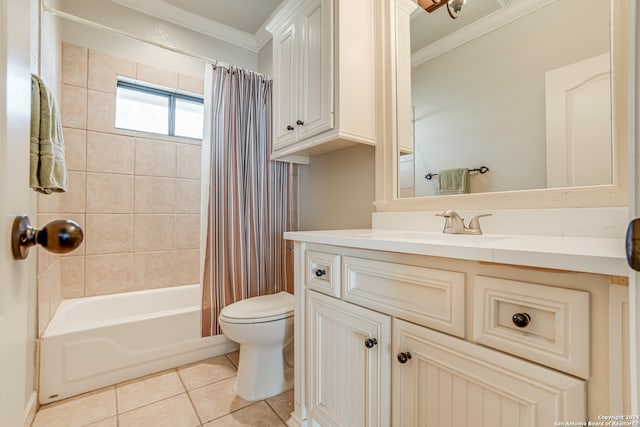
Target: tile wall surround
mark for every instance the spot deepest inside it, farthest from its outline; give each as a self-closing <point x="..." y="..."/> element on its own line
<point x="136" y="195"/>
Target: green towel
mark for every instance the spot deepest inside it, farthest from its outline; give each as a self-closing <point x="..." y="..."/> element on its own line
<point x="453" y="181"/>
<point x="48" y="170"/>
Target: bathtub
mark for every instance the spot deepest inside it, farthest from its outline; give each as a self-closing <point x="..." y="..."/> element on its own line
<point x="98" y="341"/>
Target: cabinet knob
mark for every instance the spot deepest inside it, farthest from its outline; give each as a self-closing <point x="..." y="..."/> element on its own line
<point x="370" y="342"/>
<point x="320" y="272"/>
<point x="300" y="123"/>
<point x="289" y="127"/>
<point x="521" y="320"/>
<point x="404" y="357"/>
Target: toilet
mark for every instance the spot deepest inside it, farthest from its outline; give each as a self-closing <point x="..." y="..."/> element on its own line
<point x="263" y="326"/>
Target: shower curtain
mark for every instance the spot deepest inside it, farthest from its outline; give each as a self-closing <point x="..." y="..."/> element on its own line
<point x="249" y="205"/>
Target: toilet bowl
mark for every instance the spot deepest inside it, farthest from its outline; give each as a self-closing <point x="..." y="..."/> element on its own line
<point x="263" y="326"/>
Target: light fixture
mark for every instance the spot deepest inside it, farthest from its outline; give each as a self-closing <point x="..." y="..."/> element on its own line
<point x="453" y="6"/>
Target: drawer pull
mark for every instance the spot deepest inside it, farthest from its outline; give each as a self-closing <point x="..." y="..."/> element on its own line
<point x="289" y="127"/>
<point x="320" y="273"/>
<point x="299" y="122"/>
<point x="404" y="357"/>
<point x="370" y="342"/>
<point x="521" y="320"/>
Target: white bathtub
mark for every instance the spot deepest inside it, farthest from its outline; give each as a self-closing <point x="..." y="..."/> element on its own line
<point x="94" y="342"/>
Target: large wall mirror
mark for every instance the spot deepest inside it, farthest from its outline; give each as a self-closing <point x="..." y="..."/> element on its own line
<point x="522" y="90"/>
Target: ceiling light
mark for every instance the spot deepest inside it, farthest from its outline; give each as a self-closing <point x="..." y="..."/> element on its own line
<point x="453" y="6"/>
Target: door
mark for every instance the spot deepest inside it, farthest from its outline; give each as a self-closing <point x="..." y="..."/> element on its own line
<point x="348" y="373"/>
<point x="578" y="111"/>
<point x="442" y="381"/>
<point x="634" y="202"/>
<point x="16" y="277"/>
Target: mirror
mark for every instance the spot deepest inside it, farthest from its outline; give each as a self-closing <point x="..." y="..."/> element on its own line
<point x="521" y="87"/>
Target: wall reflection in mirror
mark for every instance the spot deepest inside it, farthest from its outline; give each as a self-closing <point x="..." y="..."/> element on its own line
<point x="530" y="100"/>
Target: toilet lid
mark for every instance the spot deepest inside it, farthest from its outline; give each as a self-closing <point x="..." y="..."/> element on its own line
<point x="265" y="308"/>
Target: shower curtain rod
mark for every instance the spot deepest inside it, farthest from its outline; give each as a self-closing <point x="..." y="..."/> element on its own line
<point x="48" y="9"/>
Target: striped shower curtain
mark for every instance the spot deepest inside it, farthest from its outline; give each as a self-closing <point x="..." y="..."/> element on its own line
<point x="249" y="205"/>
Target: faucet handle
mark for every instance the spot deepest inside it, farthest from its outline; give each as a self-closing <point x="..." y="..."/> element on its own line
<point x="474" y="224"/>
<point x="449" y="213"/>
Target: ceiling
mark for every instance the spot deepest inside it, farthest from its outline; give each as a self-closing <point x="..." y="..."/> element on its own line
<point x="241" y="22"/>
<point x="245" y="15"/>
<point x="427" y="28"/>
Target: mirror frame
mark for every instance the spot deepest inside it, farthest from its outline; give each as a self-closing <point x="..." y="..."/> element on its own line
<point x="611" y="195"/>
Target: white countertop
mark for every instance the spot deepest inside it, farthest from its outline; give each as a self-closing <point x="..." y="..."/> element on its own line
<point x="584" y="254"/>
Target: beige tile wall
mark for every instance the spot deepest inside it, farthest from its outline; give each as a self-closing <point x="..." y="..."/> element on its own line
<point x="136" y="195"/>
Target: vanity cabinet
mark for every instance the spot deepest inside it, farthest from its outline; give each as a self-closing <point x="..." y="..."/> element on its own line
<point x="325" y="74"/>
<point x="349" y="363"/>
<point x="439" y="381"/>
<point x="406" y="340"/>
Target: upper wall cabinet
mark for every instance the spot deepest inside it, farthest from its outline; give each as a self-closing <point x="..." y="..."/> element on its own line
<point x="325" y="74"/>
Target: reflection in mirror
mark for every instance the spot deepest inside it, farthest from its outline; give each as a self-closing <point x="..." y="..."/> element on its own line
<point x="521" y="87"/>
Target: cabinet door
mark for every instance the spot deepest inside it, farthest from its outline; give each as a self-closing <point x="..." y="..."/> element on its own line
<point x="315" y="111"/>
<point x="284" y="87"/>
<point x="447" y="382"/>
<point x="348" y="382"/>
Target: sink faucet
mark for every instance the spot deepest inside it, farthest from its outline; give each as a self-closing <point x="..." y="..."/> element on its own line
<point x="454" y="223"/>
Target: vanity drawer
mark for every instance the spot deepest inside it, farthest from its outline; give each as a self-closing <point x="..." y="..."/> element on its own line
<point x="541" y="323"/>
<point x="426" y="296"/>
<point x="323" y="272"/>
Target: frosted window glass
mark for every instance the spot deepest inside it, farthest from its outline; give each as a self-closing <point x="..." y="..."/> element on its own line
<point x="142" y="111"/>
<point x="189" y="117"/>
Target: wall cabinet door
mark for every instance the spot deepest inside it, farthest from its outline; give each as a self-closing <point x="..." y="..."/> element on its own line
<point x="303" y="65"/>
<point x="348" y="374"/>
<point x="285" y="103"/>
<point x="315" y="96"/>
<point x="448" y="382"/>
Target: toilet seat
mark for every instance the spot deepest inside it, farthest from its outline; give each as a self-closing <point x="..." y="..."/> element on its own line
<point x="265" y="308"/>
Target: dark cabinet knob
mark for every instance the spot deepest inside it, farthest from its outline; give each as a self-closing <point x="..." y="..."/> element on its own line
<point x="289" y="127"/>
<point x="300" y="123"/>
<point x="320" y="273"/>
<point x="404" y="357"/>
<point x="521" y="320"/>
<point x="370" y="342"/>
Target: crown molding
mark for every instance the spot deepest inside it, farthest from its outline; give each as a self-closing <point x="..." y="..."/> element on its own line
<point x="510" y="11"/>
<point x="167" y="12"/>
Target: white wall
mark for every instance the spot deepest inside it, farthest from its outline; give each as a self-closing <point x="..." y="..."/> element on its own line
<point x="139" y="24"/>
<point x="337" y="189"/>
<point x="483" y="103"/>
<point x="265" y="59"/>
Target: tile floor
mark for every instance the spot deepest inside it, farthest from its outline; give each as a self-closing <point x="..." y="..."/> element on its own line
<point x="195" y="395"/>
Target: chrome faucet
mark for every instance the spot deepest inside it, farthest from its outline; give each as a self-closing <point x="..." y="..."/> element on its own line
<point x="454" y="223"/>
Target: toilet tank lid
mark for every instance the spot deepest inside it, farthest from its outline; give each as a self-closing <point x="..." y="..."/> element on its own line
<point x="264" y="306"/>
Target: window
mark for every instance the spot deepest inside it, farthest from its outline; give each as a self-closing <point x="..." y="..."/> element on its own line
<point x="154" y="110"/>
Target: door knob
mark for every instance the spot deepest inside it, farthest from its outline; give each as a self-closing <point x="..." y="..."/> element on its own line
<point x="370" y="342"/>
<point x="320" y="272"/>
<point x="299" y="122"/>
<point x="633" y="244"/>
<point x="289" y="127"/>
<point x="59" y="236"/>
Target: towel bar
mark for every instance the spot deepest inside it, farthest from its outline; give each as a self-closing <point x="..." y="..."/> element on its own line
<point x="481" y="169"/>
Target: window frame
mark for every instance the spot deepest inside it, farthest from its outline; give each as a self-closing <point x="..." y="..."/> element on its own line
<point x="170" y="95"/>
